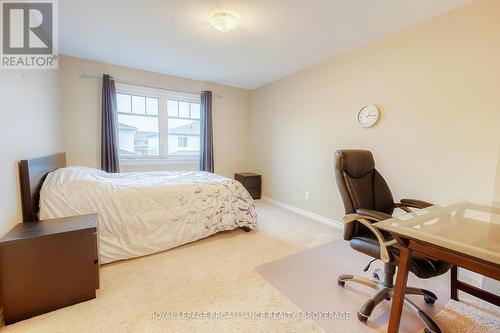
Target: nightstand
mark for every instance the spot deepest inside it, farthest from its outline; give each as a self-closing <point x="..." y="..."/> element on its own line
<point x="47" y="265"/>
<point x="251" y="181"/>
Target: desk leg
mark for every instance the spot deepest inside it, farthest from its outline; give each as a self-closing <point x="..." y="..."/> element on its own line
<point x="399" y="292"/>
<point x="454" y="283"/>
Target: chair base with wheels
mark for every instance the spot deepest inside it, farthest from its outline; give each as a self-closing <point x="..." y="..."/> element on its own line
<point x="383" y="283"/>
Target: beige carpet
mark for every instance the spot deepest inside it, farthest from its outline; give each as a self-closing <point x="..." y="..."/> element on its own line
<point x="214" y="274"/>
<point x="469" y="315"/>
<point x="308" y="278"/>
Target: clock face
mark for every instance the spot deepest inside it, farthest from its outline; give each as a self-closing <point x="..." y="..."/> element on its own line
<point x="368" y="116"/>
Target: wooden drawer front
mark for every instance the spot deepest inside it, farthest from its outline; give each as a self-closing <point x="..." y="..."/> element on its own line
<point x="96" y="247"/>
<point x="96" y="269"/>
<point x="96" y="259"/>
<point x="252" y="182"/>
<point x="46" y="273"/>
<point x="254" y="192"/>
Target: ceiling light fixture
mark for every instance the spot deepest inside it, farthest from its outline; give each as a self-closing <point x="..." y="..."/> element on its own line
<point x="224" y="21"/>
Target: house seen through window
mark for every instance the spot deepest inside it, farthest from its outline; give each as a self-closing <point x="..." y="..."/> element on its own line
<point x="183" y="141"/>
<point x="158" y="125"/>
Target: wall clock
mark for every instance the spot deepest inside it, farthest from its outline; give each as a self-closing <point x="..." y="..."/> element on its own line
<point x="368" y="116"/>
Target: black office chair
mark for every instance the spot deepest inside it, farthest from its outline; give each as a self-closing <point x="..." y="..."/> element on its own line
<point x="368" y="199"/>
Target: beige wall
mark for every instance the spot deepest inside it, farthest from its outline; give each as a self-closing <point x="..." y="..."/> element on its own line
<point x="80" y="104"/>
<point x="497" y="182"/>
<point x="29" y="128"/>
<point x="437" y="85"/>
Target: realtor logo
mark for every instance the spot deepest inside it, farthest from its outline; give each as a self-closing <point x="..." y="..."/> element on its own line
<point x="29" y="34"/>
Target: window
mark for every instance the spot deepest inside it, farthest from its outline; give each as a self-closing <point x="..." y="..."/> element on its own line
<point x="182" y="141"/>
<point x="183" y="127"/>
<point x="141" y="142"/>
<point x="138" y="125"/>
<point x="157" y="124"/>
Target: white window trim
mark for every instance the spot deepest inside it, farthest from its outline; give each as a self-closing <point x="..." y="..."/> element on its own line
<point x="163" y="95"/>
<point x="159" y="161"/>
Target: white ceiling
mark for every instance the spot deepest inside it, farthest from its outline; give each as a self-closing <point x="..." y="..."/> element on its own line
<point x="276" y="38"/>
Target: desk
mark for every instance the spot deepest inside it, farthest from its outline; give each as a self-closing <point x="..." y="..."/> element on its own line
<point x="462" y="233"/>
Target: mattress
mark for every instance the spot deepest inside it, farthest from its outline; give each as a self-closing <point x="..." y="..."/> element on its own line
<point x="141" y="213"/>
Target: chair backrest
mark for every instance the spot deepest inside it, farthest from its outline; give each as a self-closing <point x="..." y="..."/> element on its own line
<point x="360" y="186"/>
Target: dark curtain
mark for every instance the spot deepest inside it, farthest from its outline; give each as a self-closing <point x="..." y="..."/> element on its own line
<point x="206" y="134"/>
<point x="109" y="142"/>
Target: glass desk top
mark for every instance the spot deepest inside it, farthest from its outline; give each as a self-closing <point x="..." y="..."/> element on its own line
<point x="466" y="227"/>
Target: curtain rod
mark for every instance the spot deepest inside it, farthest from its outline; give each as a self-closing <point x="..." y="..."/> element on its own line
<point x="85" y="75"/>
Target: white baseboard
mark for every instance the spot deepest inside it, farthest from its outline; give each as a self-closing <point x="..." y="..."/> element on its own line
<point x="303" y="212"/>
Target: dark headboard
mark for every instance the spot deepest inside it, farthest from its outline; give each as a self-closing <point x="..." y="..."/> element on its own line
<point x="32" y="173"/>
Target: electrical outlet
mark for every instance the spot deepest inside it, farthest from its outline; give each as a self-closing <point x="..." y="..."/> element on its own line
<point x="306" y="195"/>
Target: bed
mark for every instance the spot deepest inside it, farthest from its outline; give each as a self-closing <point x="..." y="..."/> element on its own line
<point x="139" y="213"/>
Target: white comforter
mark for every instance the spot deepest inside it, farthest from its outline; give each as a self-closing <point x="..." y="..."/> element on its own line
<point x="145" y="212"/>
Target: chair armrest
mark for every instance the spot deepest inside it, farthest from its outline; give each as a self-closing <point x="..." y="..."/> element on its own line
<point x="364" y="220"/>
<point x="406" y="204"/>
<point x="379" y="216"/>
<point x="415" y="203"/>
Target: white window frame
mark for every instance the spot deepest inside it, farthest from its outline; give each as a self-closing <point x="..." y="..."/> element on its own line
<point x="163" y="96"/>
<point x="184" y="139"/>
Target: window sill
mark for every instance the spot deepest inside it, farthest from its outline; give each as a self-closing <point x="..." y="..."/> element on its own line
<point x="159" y="161"/>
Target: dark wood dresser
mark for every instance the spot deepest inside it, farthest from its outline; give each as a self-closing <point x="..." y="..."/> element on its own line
<point x="47" y="265"/>
<point x="251" y="181"/>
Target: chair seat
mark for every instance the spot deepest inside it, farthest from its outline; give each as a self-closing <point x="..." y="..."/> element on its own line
<point x="422" y="267"/>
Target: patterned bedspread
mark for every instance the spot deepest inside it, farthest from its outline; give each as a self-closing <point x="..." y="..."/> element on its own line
<point x="145" y="212"/>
